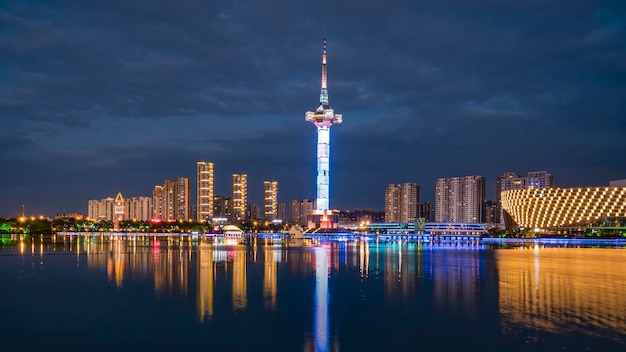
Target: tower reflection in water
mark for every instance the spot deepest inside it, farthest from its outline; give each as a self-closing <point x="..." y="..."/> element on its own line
<point x="321" y="299"/>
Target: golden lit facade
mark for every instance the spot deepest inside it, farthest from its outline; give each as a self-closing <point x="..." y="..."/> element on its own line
<point x="240" y="196"/>
<point x="270" y="204"/>
<point x="555" y="207"/>
<point x="205" y="191"/>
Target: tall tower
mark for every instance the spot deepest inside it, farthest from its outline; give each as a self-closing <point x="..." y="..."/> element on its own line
<point x="323" y="118"/>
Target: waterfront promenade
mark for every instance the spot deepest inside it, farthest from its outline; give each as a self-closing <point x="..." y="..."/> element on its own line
<point x="346" y="237"/>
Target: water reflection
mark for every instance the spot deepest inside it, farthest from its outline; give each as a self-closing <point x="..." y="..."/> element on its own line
<point x="206" y="278"/>
<point x="271" y="259"/>
<point x="321" y="299"/>
<point x="333" y="291"/>
<point x="563" y="291"/>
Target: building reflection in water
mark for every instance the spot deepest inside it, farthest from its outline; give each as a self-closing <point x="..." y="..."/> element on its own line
<point x="206" y="279"/>
<point x="399" y="270"/>
<point x="567" y="291"/>
<point x="270" y="286"/>
<point x="364" y="259"/>
<point x="457" y="279"/>
<point x="240" y="299"/>
<point x="171" y="272"/>
<point x="167" y="260"/>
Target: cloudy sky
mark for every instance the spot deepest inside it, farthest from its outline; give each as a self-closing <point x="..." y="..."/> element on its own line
<point x="98" y="97"/>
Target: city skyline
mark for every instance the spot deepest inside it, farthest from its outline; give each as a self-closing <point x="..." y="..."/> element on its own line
<point x="100" y="98"/>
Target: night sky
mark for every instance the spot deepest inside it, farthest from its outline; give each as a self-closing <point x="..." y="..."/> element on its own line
<point x="98" y="97"/>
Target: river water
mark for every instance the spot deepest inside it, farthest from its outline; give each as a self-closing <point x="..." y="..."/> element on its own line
<point x="96" y="293"/>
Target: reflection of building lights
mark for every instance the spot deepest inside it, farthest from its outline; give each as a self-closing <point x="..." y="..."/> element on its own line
<point x="239" y="281"/>
<point x="205" y="282"/>
<point x="269" y="279"/>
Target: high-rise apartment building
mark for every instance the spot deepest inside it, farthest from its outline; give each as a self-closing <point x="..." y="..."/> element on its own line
<point x="401" y="202"/>
<point x="100" y="210"/>
<point x="539" y="179"/>
<point x="240" y="196"/>
<point x="223" y="207"/>
<point x="139" y="208"/>
<point x="300" y="210"/>
<point x="426" y="210"/>
<point x="171" y="200"/>
<point x="204" y="199"/>
<point x="270" y="202"/>
<point x="107" y="209"/>
<point x="460" y="199"/>
<point x="253" y="212"/>
<point x="281" y="212"/>
<point x="158" y="202"/>
<point x="183" y="199"/>
<point x="491" y="212"/>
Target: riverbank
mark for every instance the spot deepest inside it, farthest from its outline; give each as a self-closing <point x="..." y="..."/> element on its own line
<point x="553" y="240"/>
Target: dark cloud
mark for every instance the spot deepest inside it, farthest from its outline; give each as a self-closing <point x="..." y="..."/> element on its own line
<point x="104" y="96"/>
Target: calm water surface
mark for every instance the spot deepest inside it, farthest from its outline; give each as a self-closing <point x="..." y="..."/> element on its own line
<point x="168" y="294"/>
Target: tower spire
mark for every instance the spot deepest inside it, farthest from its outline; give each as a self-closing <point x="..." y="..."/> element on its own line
<point x="324" y="92"/>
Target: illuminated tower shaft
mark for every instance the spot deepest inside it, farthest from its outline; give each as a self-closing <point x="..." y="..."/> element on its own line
<point x="323" y="118"/>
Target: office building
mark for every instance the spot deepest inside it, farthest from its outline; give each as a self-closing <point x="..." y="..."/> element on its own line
<point x="460" y="199"/>
<point x="270" y="203"/>
<point x="240" y="196"/>
<point x="204" y="191"/>
<point x="401" y="202"/>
